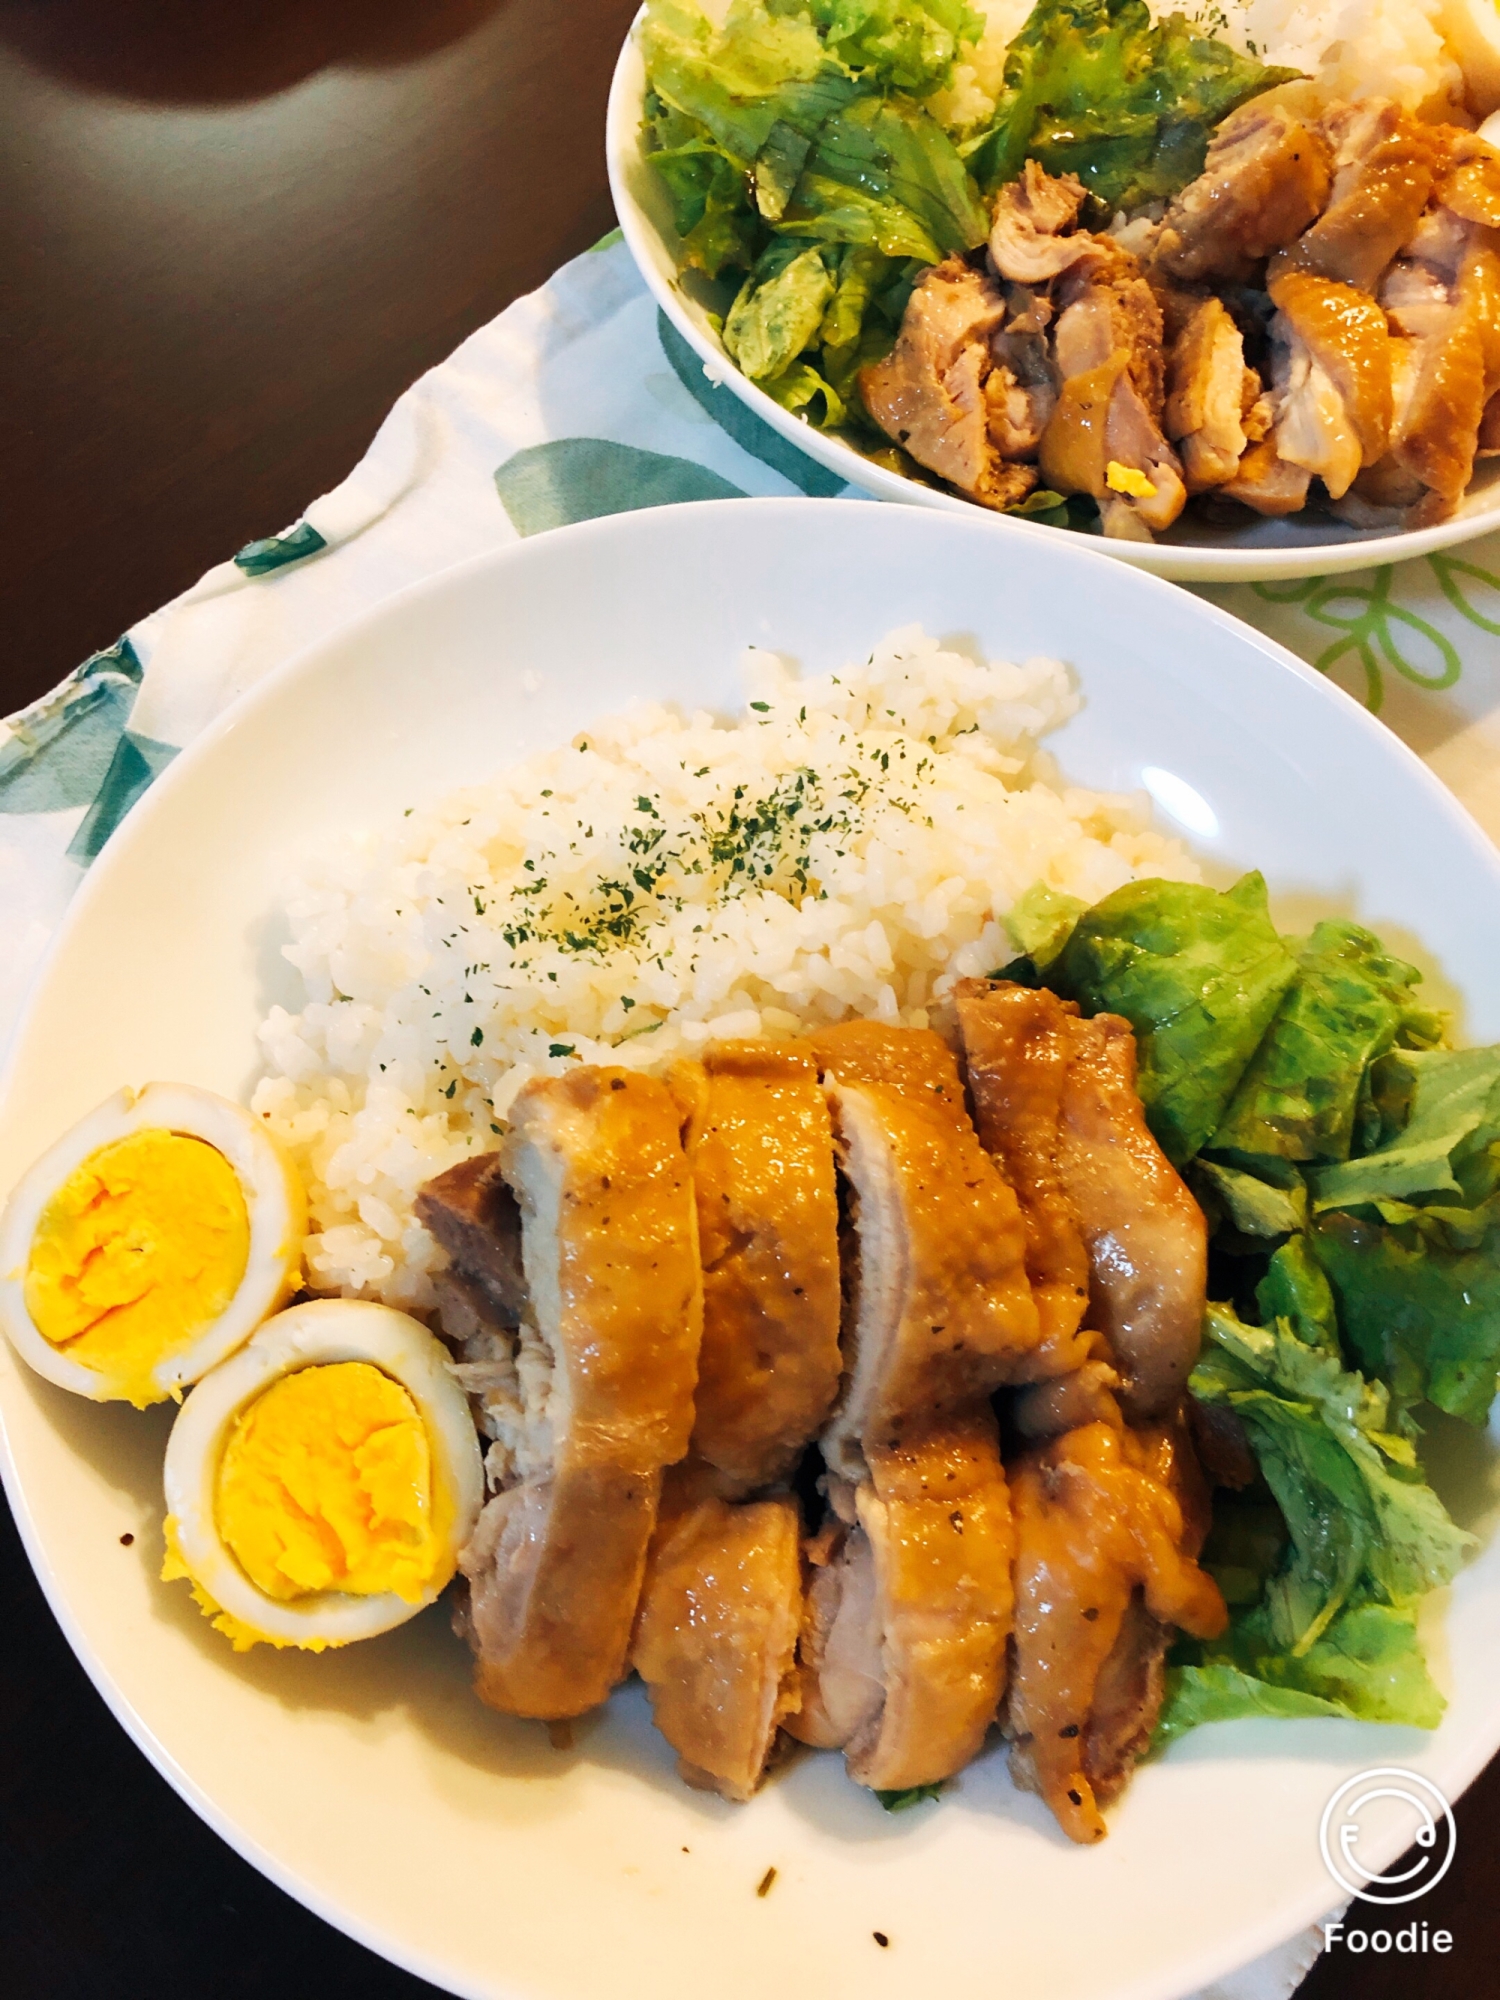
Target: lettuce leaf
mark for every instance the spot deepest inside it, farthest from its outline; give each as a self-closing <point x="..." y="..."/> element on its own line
<point x="863" y="273"/>
<point x="1296" y="1289"/>
<point x="740" y="82"/>
<point x="1299" y="1097"/>
<point x="710" y="193"/>
<point x="803" y="391"/>
<point x="1199" y="974"/>
<point x="1041" y="923"/>
<point x="906" y="45"/>
<point x="882" y="172"/>
<point x="1256" y="1207"/>
<point x="1226" y="1694"/>
<point x="1093" y="88"/>
<point x="1418" y="1294"/>
<point x="778" y="311"/>
<point x="1447" y="1143"/>
<point x="1367" y="1535"/>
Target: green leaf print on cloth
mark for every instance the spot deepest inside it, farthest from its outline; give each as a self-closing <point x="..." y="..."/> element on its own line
<point x="1379" y="635"/>
<point x="1447" y="570"/>
<point x="580" y="479"/>
<point x="60" y="748"/>
<point x="136" y="762"/>
<point x="750" y="432"/>
<point x="276" y="551"/>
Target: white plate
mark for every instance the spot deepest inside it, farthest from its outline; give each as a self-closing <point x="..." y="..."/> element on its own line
<point x="1192" y="552"/>
<point x="370" y="1783"/>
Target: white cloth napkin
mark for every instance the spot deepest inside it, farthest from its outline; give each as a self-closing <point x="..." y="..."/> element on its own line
<point x="581" y="400"/>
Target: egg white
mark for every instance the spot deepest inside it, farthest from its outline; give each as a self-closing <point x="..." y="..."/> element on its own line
<point x="274" y="1201"/>
<point x="320" y="1331"/>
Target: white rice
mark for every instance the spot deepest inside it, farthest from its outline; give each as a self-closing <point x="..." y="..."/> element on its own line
<point x="848" y="847"/>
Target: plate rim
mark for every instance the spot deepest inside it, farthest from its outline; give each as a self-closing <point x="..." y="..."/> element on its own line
<point x="1185" y="563"/>
<point x="1273" y="1930"/>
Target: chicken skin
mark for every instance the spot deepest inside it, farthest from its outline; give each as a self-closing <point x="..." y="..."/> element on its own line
<point x="605" y="1386"/>
<point x="1333" y="377"/>
<point x="1016" y="1052"/>
<point x="1266" y="177"/>
<point x="909" y="1611"/>
<point x="1108" y="1523"/>
<point x="1442" y="300"/>
<point x="761" y="1149"/>
<point x="938" y="1311"/>
<point x="716" y="1633"/>
<point x="1146" y="1238"/>
<point x="1384" y="165"/>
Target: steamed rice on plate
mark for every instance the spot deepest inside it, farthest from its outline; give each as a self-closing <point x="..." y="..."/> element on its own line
<point x="849" y="846"/>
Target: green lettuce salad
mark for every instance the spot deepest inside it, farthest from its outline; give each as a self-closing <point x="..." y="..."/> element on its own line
<point x="1349" y="1164"/>
<point x="812" y="177"/>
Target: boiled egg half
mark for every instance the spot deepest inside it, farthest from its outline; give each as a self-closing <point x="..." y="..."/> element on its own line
<point x="321" y="1482"/>
<point x="149" y="1243"/>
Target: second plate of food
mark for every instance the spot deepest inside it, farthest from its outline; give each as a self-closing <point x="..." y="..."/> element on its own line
<point x="1085" y="270"/>
<point x="544" y="824"/>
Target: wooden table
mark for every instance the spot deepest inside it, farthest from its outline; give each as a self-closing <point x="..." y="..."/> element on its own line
<point x="230" y="236"/>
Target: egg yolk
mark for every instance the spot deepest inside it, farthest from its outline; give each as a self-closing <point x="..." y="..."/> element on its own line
<point x="326" y="1484"/>
<point x="139" y="1251"/>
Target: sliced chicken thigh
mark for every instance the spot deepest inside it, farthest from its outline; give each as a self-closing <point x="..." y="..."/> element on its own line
<point x="903" y="1654"/>
<point x="761" y="1148"/>
<point x="1016" y="1052"/>
<point x="1333" y="377"/>
<point x="938" y="1309"/>
<point x="1108" y="1524"/>
<point x="1385" y="164"/>
<point x="1266" y="177"/>
<point x="716" y="1634"/>
<point x="555" y="1567"/>
<point x="1104" y="435"/>
<point x="928" y="393"/>
<point x="614" y="1291"/>
<point x="1211" y="397"/>
<point x="1032" y="236"/>
<point x="1442" y="299"/>
<point x="1146" y="1238"/>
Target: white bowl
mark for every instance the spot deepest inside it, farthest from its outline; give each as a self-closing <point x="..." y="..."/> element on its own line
<point x="370" y="1783"/>
<point x="1192" y="552"/>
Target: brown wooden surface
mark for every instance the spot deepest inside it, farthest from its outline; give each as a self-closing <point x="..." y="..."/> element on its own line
<point x="230" y="235"/>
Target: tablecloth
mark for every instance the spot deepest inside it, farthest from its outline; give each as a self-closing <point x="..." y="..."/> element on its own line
<point x="577" y="401"/>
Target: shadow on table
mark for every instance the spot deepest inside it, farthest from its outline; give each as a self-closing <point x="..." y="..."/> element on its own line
<point x="183" y="52"/>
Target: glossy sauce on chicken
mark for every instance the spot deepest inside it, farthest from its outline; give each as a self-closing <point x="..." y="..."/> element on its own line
<point x="1105" y="1549"/>
<point x="910" y="1601"/>
<point x="614" y="1299"/>
<point x="760" y="1146"/>
<point x="1017" y="1052"/>
<point x="1146" y="1237"/>
<point x="716" y="1633"/>
<point x="938" y="1309"/>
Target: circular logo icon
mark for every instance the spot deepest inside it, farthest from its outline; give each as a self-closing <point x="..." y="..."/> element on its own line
<point x="1431" y="1839"/>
